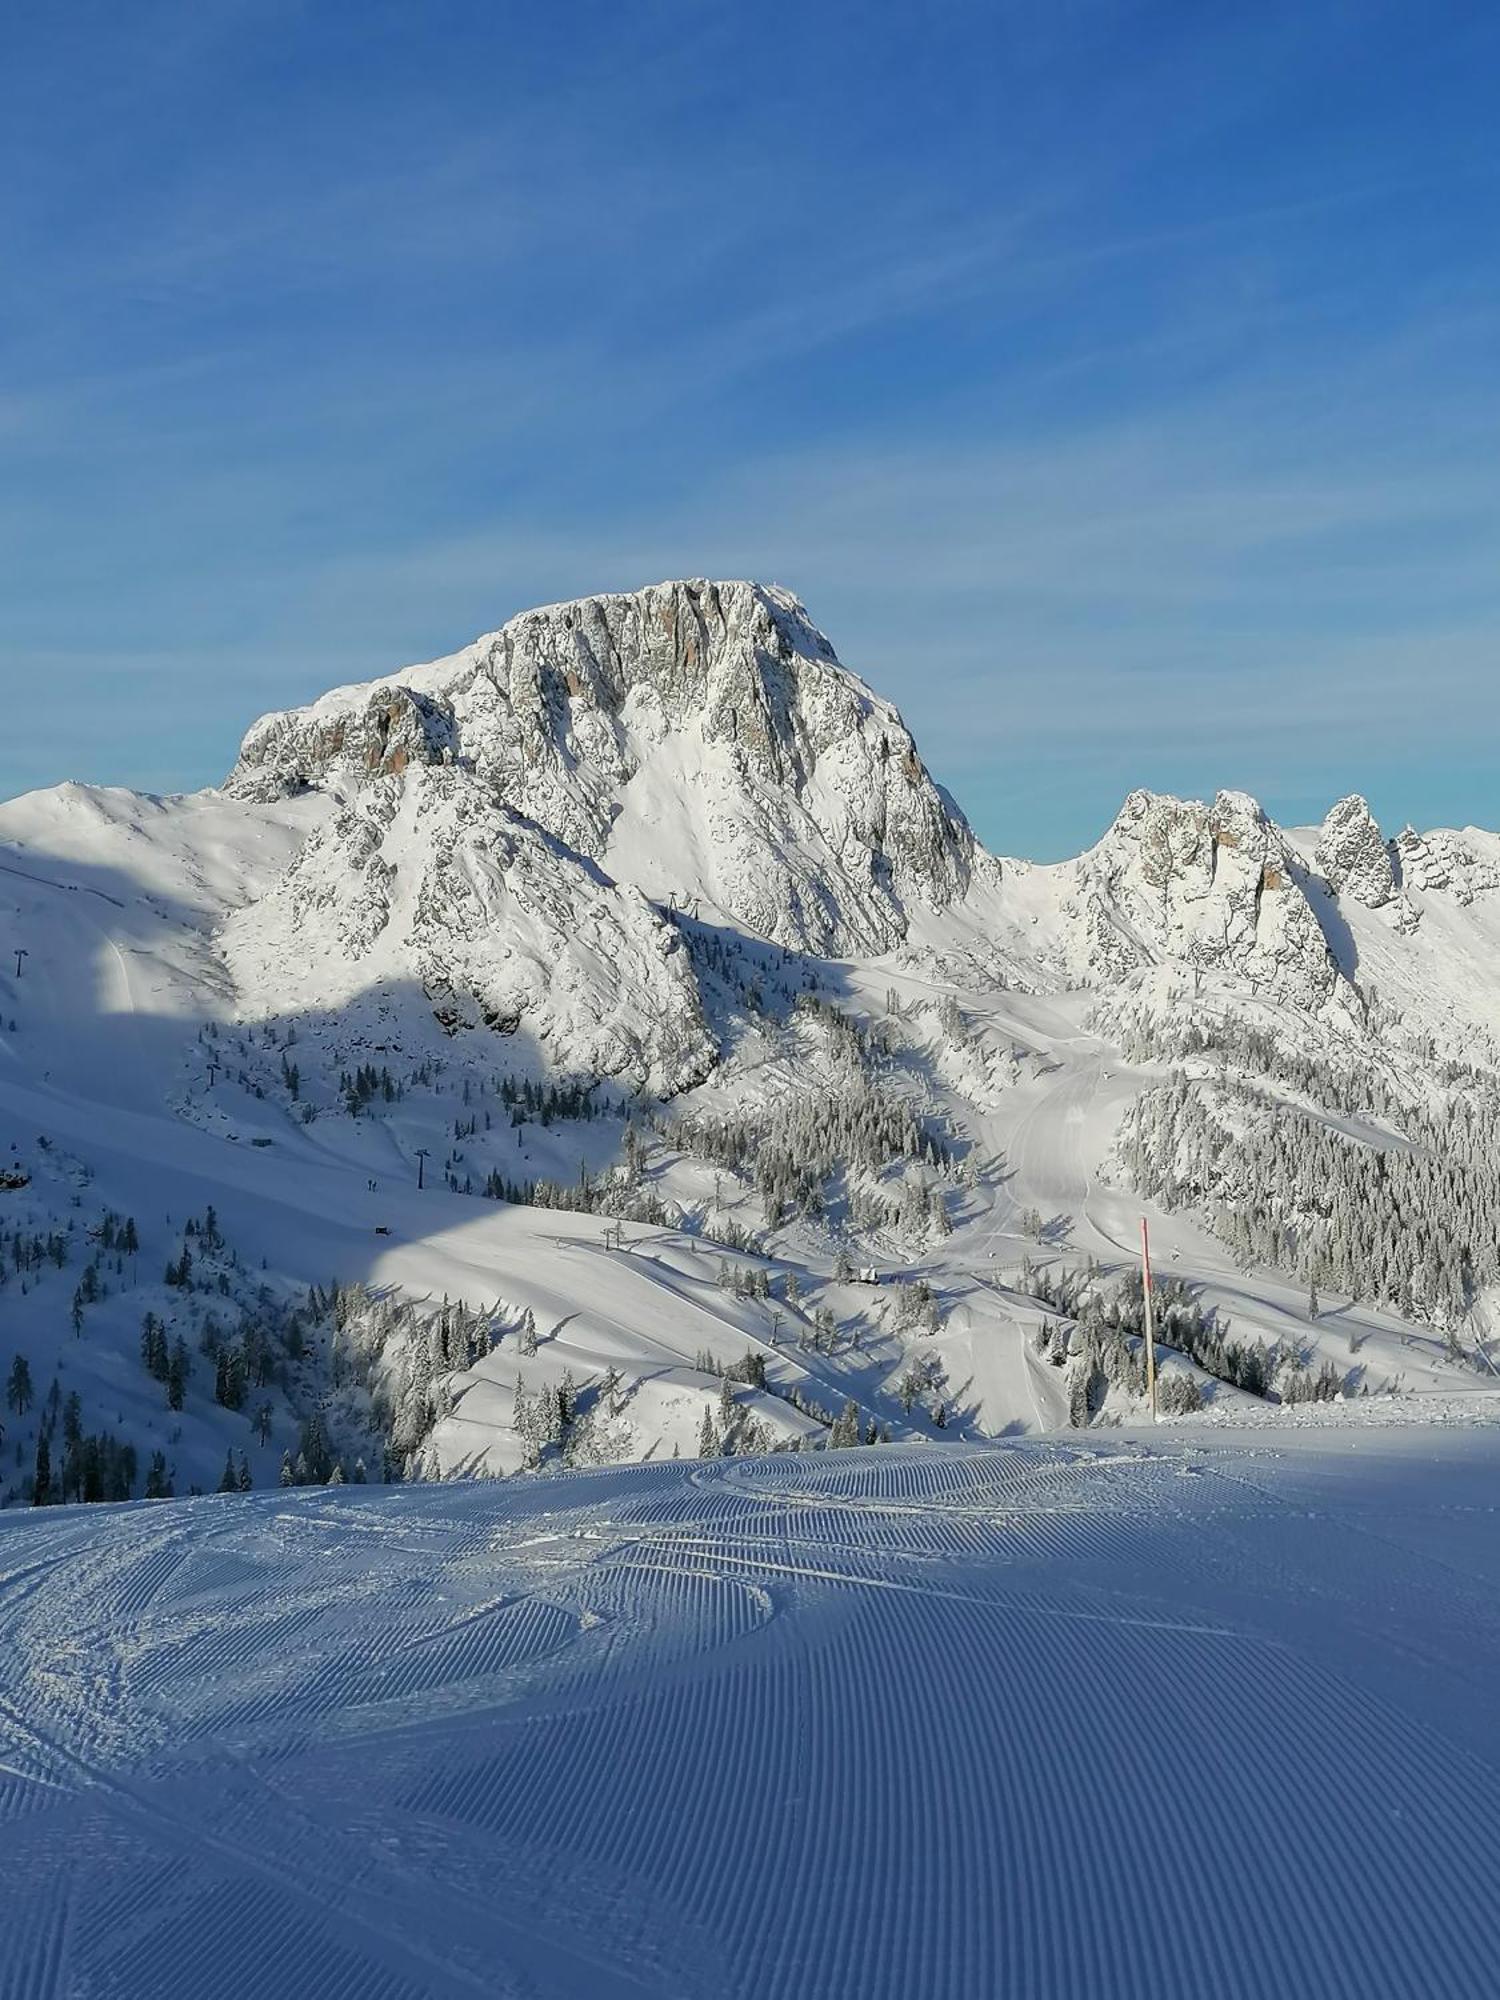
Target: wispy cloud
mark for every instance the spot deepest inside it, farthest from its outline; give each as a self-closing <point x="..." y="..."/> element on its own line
<point x="1107" y="405"/>
<point x="1247" y="587"/>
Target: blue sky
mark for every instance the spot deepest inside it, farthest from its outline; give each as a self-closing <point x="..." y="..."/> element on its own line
<point x="1118" y="384"/>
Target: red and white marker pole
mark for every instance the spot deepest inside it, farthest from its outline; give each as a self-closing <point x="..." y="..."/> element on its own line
<point x="1150" y="1318"/>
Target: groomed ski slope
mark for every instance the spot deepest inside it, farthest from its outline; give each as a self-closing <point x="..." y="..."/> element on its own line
<point x="1168" y="1715"/>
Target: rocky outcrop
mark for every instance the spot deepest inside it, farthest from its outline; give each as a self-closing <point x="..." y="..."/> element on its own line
<point x="1352" y="857"/>
<point x="1445" y="862"/>
<point x="698" y="739"/>
<point x="380" y="735"/>
<point x="1214" y="887"/>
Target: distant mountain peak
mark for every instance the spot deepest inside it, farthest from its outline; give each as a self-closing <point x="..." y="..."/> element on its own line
<point x="1212" y="886"/>
<point x="1352" y="856"/>
<point x="700" y="739"/>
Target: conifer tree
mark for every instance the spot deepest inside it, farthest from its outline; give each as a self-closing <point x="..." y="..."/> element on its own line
<point x="844" y="1433"/>
<point x="178" y="1368"/>
<point x="18" y="1391"/>
<point x="708" y="1442"/>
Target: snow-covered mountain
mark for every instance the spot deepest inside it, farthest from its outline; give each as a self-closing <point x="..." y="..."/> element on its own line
<point x="698" y="739"/>
<point x="701" y="743"/>
<point x="1215" y="888"/>
<point x="643" y="918"/>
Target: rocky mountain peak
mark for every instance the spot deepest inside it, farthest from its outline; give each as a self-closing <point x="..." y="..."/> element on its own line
<point x="1354" y="859"/>
<point x="699" y="739"/>
<point x="1211" y="886"/>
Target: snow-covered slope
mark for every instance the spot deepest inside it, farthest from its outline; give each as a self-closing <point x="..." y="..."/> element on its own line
<point x="1146" y="1720"/>
<point x="797" y="1112"/>
<point x="432" y="875"/>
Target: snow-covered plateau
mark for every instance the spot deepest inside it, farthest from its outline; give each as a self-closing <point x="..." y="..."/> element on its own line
<point x="609" y="1048"/>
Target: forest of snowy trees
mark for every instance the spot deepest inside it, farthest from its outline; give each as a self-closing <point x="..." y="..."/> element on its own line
<point x="210" y="1329"/>
<point x="1348" y="1083"/>
<point x="1099" y="1331"/>
<point x="794" y="1151"/>
<point x="1413" y="1224"/>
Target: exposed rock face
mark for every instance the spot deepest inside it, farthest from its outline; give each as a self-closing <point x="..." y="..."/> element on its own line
<point x="427" y="879"/>
<point x="1353" y="858"/>
<point x="509" y="816"/>
<point x="379" y="736"/>
<point x="1444" y="861"/>
<point x="1209" y="886"/>
<point x="698" y="739"/>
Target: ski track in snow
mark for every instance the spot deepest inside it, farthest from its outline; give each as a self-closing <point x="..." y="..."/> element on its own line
<point x="1170" y="1716"/>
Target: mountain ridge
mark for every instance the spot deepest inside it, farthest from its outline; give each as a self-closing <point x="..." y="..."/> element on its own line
<point x="645" y="911"/>
<point x="702" y="741"/>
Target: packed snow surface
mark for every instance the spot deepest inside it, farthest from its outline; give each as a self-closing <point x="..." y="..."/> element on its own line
<point x="1168" y="1715"/>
